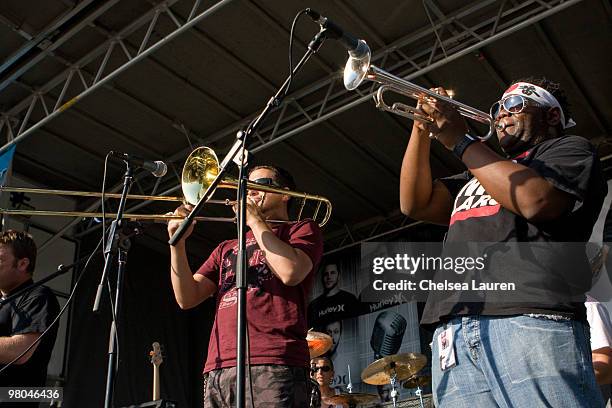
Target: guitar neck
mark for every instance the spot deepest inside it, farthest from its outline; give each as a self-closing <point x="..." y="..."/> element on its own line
<point x="155" y="383"/>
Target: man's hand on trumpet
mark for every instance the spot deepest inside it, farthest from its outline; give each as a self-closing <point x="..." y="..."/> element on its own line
<point x="448" y="125"/>
<point x="173" y="224"/>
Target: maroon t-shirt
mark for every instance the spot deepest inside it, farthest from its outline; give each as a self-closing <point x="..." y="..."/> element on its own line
<point x="276" y="312"/>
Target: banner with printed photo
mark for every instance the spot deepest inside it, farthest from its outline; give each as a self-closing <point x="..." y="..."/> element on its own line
<point x="361" y="332"/>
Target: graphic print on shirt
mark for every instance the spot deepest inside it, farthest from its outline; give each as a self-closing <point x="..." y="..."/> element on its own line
<point x="473" y="201"/>
<point x="258" y="272"/>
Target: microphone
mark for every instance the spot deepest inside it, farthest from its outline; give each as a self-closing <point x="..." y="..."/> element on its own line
<point x="387" y="334"/>
<point x="357" y="48"/>
<point x="158" y="168"/>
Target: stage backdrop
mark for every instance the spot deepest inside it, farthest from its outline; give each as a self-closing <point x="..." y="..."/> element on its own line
<point x="361" y="331"/>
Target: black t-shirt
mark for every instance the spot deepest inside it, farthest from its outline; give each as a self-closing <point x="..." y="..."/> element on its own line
<point x="571" y="165"/>
<point x="32" y="312"/>
<point x="327" y="309"/>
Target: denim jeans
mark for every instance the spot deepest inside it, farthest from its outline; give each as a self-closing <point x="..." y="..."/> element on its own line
<point x="516" y="361"/>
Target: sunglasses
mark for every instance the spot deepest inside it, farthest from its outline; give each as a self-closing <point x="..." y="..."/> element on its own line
<point x="325" y="369"/>
<point x="512" y="104"/>
<point x="266" y="181"/>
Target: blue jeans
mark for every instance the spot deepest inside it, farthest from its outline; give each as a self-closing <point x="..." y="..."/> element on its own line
<point x="516" y="361"/>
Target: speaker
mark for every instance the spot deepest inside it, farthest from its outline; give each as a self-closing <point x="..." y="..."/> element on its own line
<point x="162" y="403"/>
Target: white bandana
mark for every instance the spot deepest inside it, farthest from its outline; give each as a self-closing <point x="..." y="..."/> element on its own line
<point x="539" y="95"/>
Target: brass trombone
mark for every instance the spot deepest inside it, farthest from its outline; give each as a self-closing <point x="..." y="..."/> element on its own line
<point x="200" y="169"/>
<point x="358" y="68"/>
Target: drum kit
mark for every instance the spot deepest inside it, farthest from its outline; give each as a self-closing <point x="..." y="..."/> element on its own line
<point x="392" y="370"/>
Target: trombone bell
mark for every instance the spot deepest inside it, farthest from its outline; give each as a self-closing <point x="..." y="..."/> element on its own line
<point x="199" y="171"/>
<point x="202" y="166"/>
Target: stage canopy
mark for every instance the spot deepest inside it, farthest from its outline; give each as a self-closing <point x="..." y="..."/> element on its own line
<point x="157" y="78"/>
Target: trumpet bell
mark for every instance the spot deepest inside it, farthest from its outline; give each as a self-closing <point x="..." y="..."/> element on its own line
<point x="356" y="69"/>
<point x="199" y="171"/>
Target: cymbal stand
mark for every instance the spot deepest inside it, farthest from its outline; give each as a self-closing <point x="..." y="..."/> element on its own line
<point x="349" y="386"/>
<point x="315" y="395"/>
<point x="419" y="392"/>
<point x="393" y="382"/>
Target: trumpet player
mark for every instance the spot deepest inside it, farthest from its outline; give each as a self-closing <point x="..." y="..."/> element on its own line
<point x="547" y="188"/>
<point x="282" y="259"/>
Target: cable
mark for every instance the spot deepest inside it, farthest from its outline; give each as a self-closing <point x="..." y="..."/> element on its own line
<point x="104" y="199"/>
<point x="59" y="314"/>
<point x="104" y="243"/>
<point x="249" y="365"/>
<point x="286" y="91"/>
<point x="248" y="343"/>
<point x="295" y="19"/>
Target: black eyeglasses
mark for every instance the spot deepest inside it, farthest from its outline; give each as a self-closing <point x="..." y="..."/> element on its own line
<point x="512" y="104"/>
<point x="266" y="181"/>
<point x="325" y="369"/>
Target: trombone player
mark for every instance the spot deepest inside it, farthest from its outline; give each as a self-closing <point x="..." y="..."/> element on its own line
<point x="281" y="262"/>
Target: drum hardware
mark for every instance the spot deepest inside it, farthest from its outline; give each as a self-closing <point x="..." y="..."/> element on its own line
<point x="315" y="394"/>
<point x="318" y="343"/>
<point x="350" y="399"/>
<point x="392" y="369"/>
<point x="418" y="381"/>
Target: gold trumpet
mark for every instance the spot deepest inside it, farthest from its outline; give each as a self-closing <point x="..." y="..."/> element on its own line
<point x="200" y="169"/>
<point x="358" y="68"/>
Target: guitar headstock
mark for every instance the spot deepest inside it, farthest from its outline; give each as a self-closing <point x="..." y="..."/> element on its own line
<point x="156" y="355"/>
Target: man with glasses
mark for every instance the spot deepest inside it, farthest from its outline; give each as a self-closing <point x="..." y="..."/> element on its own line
<point x="281" y="260"/>
<point x="546" y="188"/>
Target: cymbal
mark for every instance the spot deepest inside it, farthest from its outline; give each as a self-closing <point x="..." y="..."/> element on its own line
<point x="318" y="343"/>
<point x="417" y="381"/>
<point x="402" y="365"/>
<point x="349" y="399"/>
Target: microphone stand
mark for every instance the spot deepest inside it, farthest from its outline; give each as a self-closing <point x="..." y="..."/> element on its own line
<point x="242" y="137"/>
<point x="118" y="241"/>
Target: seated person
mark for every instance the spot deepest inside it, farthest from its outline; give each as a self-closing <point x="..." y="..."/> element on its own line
<point x="322" y="371"/>
<point x="23" y="319"/>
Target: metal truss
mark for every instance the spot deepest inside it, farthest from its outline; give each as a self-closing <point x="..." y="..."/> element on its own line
<point x="38" y="39"/>
<point x="502" y="21"/>
<point x="295" y="116"/>
<point x="369" y="230"/>
<point x="15" y="118"/>
<point x="452" y="36"/>
<point x="334" y="100"/>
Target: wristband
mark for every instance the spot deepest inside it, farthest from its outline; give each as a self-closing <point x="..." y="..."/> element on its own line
<point x="463" y="144"/>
